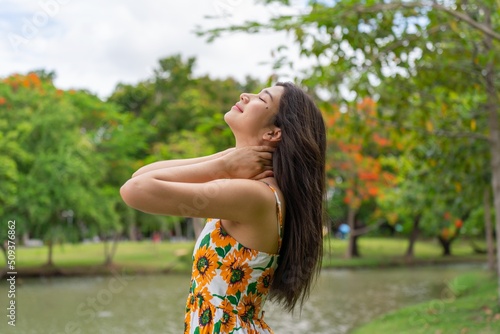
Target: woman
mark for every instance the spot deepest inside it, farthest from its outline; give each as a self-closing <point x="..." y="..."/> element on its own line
<point x="267" y="194"/>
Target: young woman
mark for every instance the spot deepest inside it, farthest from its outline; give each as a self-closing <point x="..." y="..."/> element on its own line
<point x="267" y="196"/>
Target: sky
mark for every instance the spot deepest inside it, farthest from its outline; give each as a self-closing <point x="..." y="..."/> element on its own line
<point x="94" y="45"/>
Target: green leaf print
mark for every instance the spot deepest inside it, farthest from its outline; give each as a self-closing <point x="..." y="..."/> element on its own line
<point x="267" y="266"/>
<point x="220" y="251"/>
<point x="270" y="262"/>
<point x="197" y="330"/>
<point x="217" y="327"/>
<point x="252" y="288"/>
<point x="232" y="300"/>
<point x="227" y="248"/>
<point x="205" y="241"/>
<point x="238" y="295"/>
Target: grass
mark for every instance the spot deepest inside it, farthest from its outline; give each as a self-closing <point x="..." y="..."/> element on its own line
<point x="467" y="305"/>
<point x="377" y="252"/>
<point x="88" y="258"/>
<point x="146" y="256"/>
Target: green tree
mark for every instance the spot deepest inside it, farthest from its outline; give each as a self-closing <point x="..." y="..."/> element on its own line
<point x="184" y="115"/>
<point x="117" y="139"/>
<point x="61" y="149"/>
<point x="418" y="57"/>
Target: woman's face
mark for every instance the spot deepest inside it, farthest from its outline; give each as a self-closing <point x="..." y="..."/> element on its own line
<point x="253" y="116"/>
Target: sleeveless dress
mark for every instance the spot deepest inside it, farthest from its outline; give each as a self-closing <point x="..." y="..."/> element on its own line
<point x="229" y="283"/>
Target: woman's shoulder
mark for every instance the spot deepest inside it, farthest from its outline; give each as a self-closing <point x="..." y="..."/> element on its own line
<point x="272" y="184"/>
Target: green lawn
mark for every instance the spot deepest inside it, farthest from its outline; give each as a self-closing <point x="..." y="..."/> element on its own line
<point x="469" y="305"/>
<point x="176" y="256"/>
<point x="135" y="256"/>
<point x="389" y="252"/>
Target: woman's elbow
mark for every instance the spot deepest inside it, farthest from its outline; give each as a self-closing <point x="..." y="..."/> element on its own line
<point x="129" y="193"/>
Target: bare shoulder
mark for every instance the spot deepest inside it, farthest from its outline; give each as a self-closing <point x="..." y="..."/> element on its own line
<point x="248" y="200"/>
<point x="259" y="229"/>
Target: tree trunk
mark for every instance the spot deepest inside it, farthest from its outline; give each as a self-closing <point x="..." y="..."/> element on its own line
<point x="50" y="244"/>
<point x="177" y="229"/>
<point x="26" y="238"/>
<point x="132" y="231"/>
<point x="494" y="129"/>
<point x="352" y="247"/>
<point x="130" y="220"/>
<point x="4" y="251"/>
<point x="110" y="254"/>
<point x="490" y="247"/>
<point x="413" y="237"/>
<point x="198" y="224"/>
<point x="446" y="244"/>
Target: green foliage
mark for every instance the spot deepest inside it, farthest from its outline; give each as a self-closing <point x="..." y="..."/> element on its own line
<point x="59" y="149"/>
<point x="64" y="154"/>
<point x="181" y="117"/>
<point x="425" y="65"/>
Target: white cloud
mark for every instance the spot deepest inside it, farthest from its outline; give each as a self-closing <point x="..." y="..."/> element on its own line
<point x="96" y="44"/>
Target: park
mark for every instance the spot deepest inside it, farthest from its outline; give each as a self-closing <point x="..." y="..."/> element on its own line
<point x="409" y="94"/>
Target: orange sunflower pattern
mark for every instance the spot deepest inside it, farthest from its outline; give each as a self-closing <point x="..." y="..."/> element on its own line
<point x="229" y="285"/>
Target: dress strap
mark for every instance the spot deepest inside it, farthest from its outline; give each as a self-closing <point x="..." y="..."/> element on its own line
<point x="279" y="213"/>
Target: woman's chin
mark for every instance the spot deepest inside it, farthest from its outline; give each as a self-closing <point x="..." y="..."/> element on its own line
<point x="228" y="118"/>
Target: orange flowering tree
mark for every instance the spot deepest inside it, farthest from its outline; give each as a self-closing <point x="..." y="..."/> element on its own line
<point x="449" y="230"/>
<point x="356" y="166"/>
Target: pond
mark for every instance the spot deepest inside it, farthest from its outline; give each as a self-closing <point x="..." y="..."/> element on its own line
<point x="341" y="300"/>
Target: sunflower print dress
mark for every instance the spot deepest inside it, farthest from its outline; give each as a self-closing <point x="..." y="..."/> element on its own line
<point x="229" y="283"/>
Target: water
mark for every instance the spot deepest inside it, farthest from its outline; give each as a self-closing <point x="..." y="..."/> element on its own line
<point x="121" y="304"/>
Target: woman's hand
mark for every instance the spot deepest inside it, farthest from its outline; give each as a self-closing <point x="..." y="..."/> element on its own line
<point x="251" y="162"/>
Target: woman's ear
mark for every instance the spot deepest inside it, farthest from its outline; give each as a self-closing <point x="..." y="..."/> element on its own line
<point x="273" y="135"/>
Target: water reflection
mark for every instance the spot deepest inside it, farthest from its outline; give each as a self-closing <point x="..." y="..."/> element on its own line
<point x="341" y="300"/>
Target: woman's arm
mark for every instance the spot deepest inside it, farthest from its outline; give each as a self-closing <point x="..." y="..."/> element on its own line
<point x="212" y="188"/>
<point x="232" y="199"/>
<point x="178" y="162"/>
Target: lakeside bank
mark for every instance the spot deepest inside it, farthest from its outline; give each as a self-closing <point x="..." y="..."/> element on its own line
<point x="149" y="257"/>
<point x="467" y="305"/>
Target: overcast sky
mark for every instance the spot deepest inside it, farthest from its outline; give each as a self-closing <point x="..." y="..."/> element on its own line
<point x="93" y="44"/>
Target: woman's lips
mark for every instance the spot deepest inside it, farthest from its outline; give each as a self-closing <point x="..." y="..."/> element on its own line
<point x="238" y="108"/>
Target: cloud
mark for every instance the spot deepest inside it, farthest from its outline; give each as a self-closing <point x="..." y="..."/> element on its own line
<point x="95" y="44"/>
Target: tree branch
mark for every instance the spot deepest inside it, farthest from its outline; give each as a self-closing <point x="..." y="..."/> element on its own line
<point x="417" y="4"/>
<point x="364" y="230"/>
<point x="470" y="21"/>
<point x="437" y="133"/>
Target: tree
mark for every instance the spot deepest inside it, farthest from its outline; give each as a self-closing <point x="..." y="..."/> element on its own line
<point x="184" y="117"/>
<point x="431" y="51"/>
<point x="58" y="163"/>
<point x="117" y="139"/>
<point x="355" y="161"/>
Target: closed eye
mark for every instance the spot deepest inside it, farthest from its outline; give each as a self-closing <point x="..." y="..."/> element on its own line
<point x="260" y="98"/>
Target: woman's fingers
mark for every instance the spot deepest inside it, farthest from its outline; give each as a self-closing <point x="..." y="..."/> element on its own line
<point x="263" y="175"/>
<point x="264" y="149"/>
<point x="251" y="162"/>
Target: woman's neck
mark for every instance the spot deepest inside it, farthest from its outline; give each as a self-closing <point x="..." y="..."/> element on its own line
<point x="251" y="142"/>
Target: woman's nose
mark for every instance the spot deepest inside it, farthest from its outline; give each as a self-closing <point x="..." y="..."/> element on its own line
<point x="244" y="97"/>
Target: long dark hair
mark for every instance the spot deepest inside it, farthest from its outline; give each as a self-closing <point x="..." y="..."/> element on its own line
<point x="299" y="169"/>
